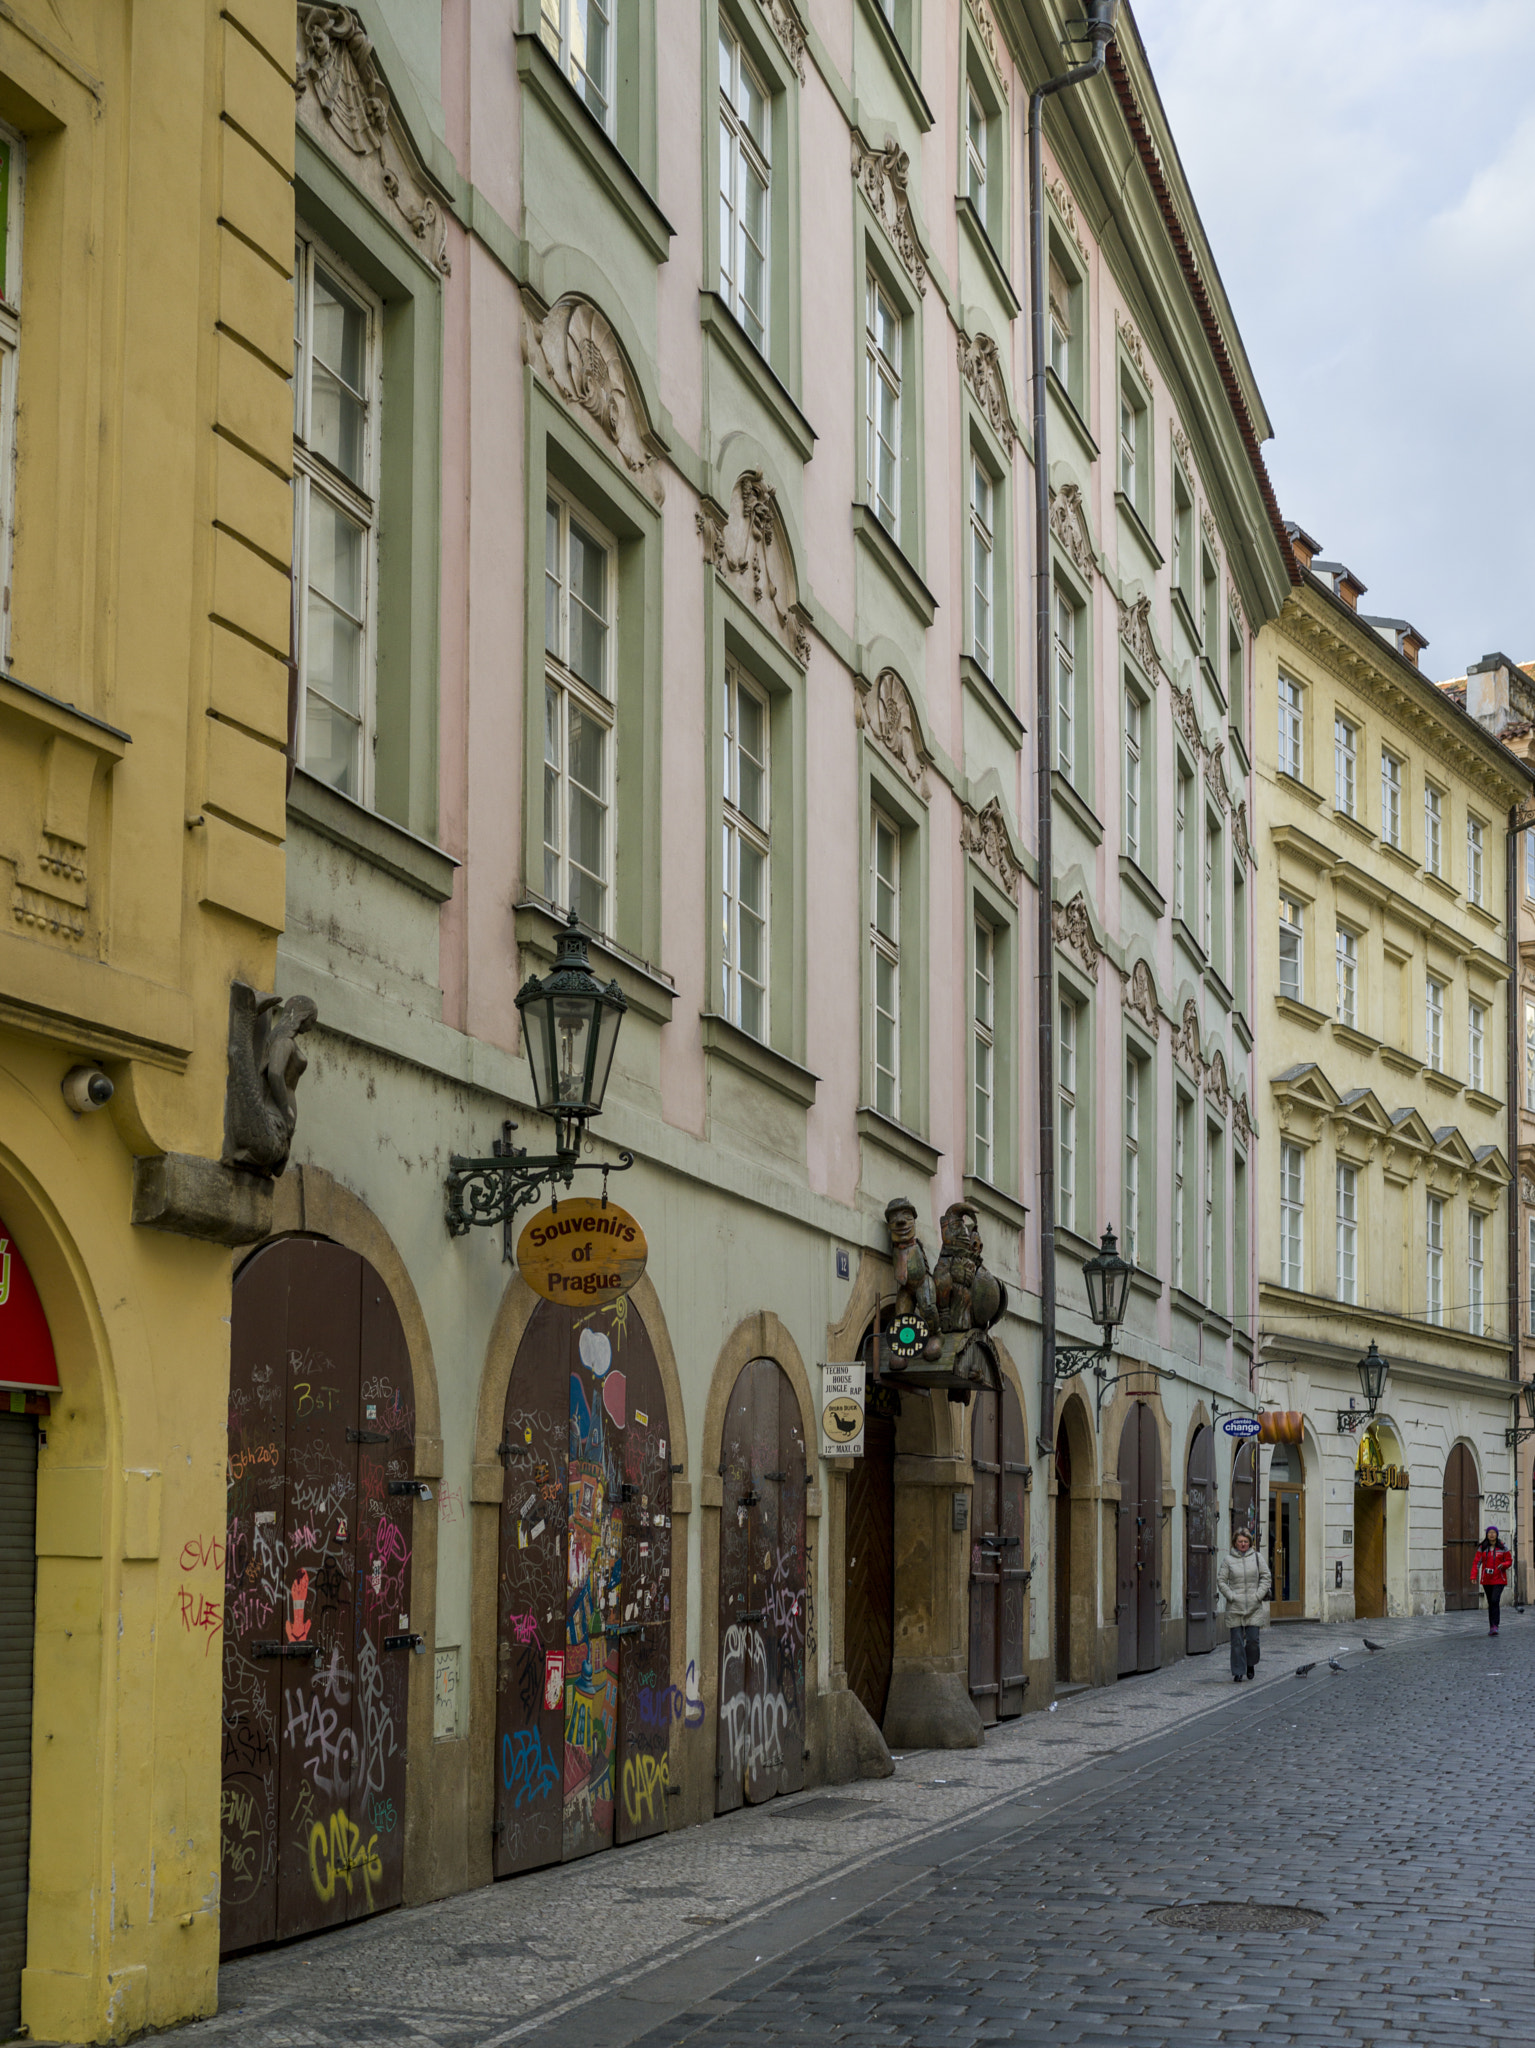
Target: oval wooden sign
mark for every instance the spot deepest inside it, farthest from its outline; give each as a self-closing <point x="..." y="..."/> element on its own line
<point x="582" y="1255"/>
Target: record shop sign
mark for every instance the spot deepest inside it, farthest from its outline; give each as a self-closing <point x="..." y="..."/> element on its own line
<point x="581" y="1254"/>
<point x="842" y="1398"/>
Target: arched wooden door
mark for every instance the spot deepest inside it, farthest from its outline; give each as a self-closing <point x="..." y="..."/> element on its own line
<point x="317" y="1635"/>
<point x="584" y="1700"/>
<point x="1139" y="1603"/>
<point x="1201" y="1521"/>
<point x="869" y="1552"/>
<point x="762" y="1590"/>
<point x="18" y="1620"/>
<point x="1244" y="1491"/>
<point x="999" y="1564"/>
<point x="1462" y="1514"/>
<point x="1062" y="1557"/>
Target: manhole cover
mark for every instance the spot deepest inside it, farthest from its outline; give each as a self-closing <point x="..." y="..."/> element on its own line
<point x="1231" y="1916"/>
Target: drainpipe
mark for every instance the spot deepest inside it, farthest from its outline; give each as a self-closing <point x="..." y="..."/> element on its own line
<point x="1100" y="27"/>
<point x="1515" y="1096"/>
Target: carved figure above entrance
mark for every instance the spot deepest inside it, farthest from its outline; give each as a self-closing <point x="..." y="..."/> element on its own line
<point x="573" y="348"/>
<point x="266" y="1064"/>
<point x="750" y="549"/>
<point x="969" y="1298"/>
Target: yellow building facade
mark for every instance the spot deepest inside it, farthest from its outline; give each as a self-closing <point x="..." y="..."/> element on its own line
<point x="1383" y="951"/>
<point x="145" y="346"/>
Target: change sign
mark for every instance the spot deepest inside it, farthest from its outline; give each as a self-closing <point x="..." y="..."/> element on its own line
<point x="842" y="1411"/>
<point x="1240" y="1425"/>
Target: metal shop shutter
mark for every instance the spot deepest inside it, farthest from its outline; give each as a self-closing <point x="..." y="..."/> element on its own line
<point x="18" y="1578"/>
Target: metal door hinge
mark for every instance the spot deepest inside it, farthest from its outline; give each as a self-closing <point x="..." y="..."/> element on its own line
<point x="367" y="1436"/>
<point x="285" y="1649"/>
<point x="418" y="1487"/>
<point x="749" y="1500"/>
<point x="407" y="1642"/>
<point x="627" y="1491"/>
<point x="507" y="1451"/>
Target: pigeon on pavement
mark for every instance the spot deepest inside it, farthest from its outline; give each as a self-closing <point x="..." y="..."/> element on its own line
<point x="1333" y="1664"/>
<point x="1373" y="1646"/>
<point x="1302" y="1669"/>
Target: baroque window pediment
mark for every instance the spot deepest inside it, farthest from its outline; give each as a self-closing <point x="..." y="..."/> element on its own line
<point x="1139" y="996"/>
<point x="573" y="348"/>
<point x="1068" y="522"/>
<point x="884" y="707"/>
<point x="749" y="547"/>
<point x="1072" y="927"/>
<point x="1135" y="631"/>
<point x="985" y="834"/>
<point x="882" y="176"/>
<point x="981" y="367"/>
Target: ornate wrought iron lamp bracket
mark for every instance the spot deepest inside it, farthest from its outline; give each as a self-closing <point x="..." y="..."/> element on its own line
<point x="491" y="1191"/>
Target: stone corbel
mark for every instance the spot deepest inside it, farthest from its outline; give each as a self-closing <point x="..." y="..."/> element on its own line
<point x="50" y="848"/>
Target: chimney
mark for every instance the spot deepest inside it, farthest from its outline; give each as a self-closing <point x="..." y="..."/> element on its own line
<point x="1341" y="581"/>
<point x="1488" y="691"/>
<point x="1302" y="545"/>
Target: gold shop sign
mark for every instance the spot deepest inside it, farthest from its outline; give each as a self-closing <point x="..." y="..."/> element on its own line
<point x="1370" y="1469"/>
<point x="582" y="1254"/>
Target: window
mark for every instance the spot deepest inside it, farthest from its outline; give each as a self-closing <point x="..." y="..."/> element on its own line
<point x="747" y="866"/>
<point x="980" y="562"/>
<point x="1132" y="1196"/>
<point x="1475" y="1272"/>
<point x="1133" y="717"/>
<point x="12" y="165"/>
<point x="1348" y="1233"/>
<point x="578" y="712"/>
<point x="1348" y="977"/>
<point x="1529" y="1055"/>
<point x="1133" y="479"/>
<point x="1529" y="1267"/>
<point x="1290" y="728"/>
<point x="1239" y="935"/>
<point x="1065" y="682"/>
<point x="1292" y="1216"/>
<point x="882" y="343"/>
<point x="578" y="34"/>
<point x="1238" y="1238"/>
<point x="1434" y="1024"/>
<point x="1183" y="533"/>
<point x="1474" y="859"/>
<point x="1476" y="1038"/>
<point x="1180" y="1194"/>
<point x="975" y="150"/>
<point x="1291" y="932"/>
<point x="745" y="133"/>
<point x="885" y="939"/>
<point x="1433" y="820"/>
<point x="1212" y="842"/>
<point x="985" y="1015"/>
<point x="1181" y="800"/>
<point x="1209" y="613"/>
<point x="1236" y="676"/>
<point x="1390" y="798"/>
<point x="1529" y="864"/>
<point x="1061" y="323"/>
<point x="1436" y="1259"/>
<point x="1066" y="1063"/>
<point x="1343" y="762"/>
<point x="335" y="518"/>
<point x="1212" y="1183"/>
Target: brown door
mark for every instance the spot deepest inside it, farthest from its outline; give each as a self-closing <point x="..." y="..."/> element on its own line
<point x="999" y="1568"/>
<point x="1244" y="1491"/>
<point x="1140" y="1544"/>
<point x="1201" y="1514"/>
<point x="317" y="1570"/>
<point x="1462" y="1514"/>
<point x="869" y="1548"/>
<point x="1062" y="1534"/>
<point x="1287" y="1550"/>
<point x="1369" y="1552"/>
<point x="584" y="1700"/>
<point x="762" y="1590"/>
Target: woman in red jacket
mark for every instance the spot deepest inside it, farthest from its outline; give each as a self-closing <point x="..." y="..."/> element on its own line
<point x="1489" y="1570"/>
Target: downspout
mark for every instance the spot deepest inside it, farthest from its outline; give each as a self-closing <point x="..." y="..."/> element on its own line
<point x="1100" y="26"/>
<point x="1515" y="1097"/>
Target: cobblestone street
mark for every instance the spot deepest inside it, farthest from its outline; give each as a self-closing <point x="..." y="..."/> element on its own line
<point x="1009" y="1894"/>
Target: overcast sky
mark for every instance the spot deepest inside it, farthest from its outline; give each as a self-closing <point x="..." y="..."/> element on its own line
<point x="1365" y="170"/>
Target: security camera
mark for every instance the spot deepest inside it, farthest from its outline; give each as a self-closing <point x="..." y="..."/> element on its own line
<point x="86" y="1088"/>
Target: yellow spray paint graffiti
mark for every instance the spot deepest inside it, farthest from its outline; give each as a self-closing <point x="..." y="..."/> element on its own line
<point x="337" y="1854"/>
<point x="645" y="1777"/>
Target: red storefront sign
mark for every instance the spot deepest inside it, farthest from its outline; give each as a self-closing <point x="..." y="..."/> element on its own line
<point x="27" y="1364"/>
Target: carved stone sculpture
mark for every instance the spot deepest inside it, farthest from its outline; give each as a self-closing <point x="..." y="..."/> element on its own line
<point x="1072" y="927"/>
<point x="913" y="1278"/>
<point x="882" y="175"/>
<point x="1140" y="996"/>
<point x="981" y="367"/>
<point x="572" y="346"/>
<point x="266" y="1063"/>
<point x="969" y="1298"/>
<point x="749" y="546"/>
<point x="893" y="719"/>
<point x="984" y="832"/>
<point x="1068" y="522"/>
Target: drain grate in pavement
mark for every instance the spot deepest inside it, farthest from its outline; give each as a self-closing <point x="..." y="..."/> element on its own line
<point x="821" y="1806"/>
<point x="709" y="1920"/>
<point x="1232" y="1916"/>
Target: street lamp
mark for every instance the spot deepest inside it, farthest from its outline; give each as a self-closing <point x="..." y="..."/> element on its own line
<point x="1372" y="1370"/>
<point x="1521" y="1430"/>
<point x="570" y="1028"/>
<point x="1107" y="1278"/>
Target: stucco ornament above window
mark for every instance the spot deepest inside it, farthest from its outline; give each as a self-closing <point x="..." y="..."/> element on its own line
<point x="1135" y="349"/>
<point x="750" y="550"/>
<point x="984" y="832"/>
<point x="1139" y="996"/>
<point x="783" y="19"/>
<point x="981" y="367"/>
<point x="1186" y="1046"/>
<point x="986" y="29"/>
<point x="894" y="723"/>
<point x="1186" y="719"/>
<point x="1207" y="521"/>
<point x="1182" y="449"/>
<point x="1215" y="775"/>
<point x="1135" y="631"/>
<point x="1241" y="1118"/>
<point x="1066" y="207"/>
<point x="882" y="175"/>
<point x="344" y="103"/>
<point x="1241" y="838"/>
<point x="1068" y="522"/>
<point x="572" y="347"/>
<point x="1072" y="928"/>
<point x="1217" y="1086"/>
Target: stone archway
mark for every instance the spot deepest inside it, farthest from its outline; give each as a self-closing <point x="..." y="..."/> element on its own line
<point x="1073" y="1546"/>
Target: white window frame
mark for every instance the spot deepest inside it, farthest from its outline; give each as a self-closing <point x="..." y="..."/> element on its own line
<point x="1292" y="729"/>
<point x="1182" y="791"/>
<point x="882" y="381"/>
<point x="744" y="156"/>
<point x="1476" y="1042"/>
<point x="1066" y="1112"/>
<point x="1529" y="1269"/>
<point x="1476" y="1271"/>
<point x="975" y="152"/>
<point x="885" y="946"/>
<point x="1390" y="798"/>
<point x="1065" y="649"/>
<point x="985" y="1106"/>
<point x="1433" y="829"/>
<point x="982" y="566"/>
<point x="1183" y="1109"/>
<point x="1212" y="834"/>
<point x="1292" y="947"/>
<point x="559" y="21"/>
<point x="1347" y="951"/>
<point x="10" y="345"/>
<point x="1433" y="1022"/>
<point x="1529" y="1056"/>
<point x="741" y="991"/>
<point x="574" y="693"/>
<point x="1346" y="1180"/>
<point x="1212" y="1169"/>
<point x="1132" y="1196"/>
<point x="1475" y="847"/>
<point x="356" y="501"/>
<point x="1134" y="724"/>
<point x="1345" y="765"/>
<point x="1130" y="417"/>
<point x="1529" y="863"/>
<point x="1434" y="1232"/>
<point x="1292" y="1217"/>
<point x="1061" y="333"/>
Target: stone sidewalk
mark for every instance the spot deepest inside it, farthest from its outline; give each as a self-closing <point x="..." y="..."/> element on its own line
<point x="650" y="1930"/>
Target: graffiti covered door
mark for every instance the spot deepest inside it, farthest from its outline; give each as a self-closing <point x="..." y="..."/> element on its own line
<point x="646" y="1699"/>
<point x="999" y="1571"/>
<point x="1462" y="1513"/>
<point x="1140" y="1543"/>
<point x="317" y="1595"/>
<point x="1201" y="1514"/>
<point x="869" y="1548"/>
<point x="762" y="1590"/>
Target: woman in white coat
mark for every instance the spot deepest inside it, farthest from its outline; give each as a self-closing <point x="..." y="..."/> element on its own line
<point x="1243" y="1583"/>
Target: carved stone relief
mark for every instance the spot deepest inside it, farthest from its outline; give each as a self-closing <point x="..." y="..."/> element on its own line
<point x="1526" y="1188"/>
<point x="1140" y="996"/>
<point x="984" y="832"/>
<point x="981" y="369"/>
<point x="1216" y="1083"/>
<point x="986" y="28"/>
<point x="1181" y="447"/>
<point x="1135" y="349"/>
<point x="1240" y="836"/>
<point x="573" y="348"/>
<point x="1207" y="521"/>
<point x="1066" y="207"/>
<point x="884" y="708"/>
<point x="1186" y="1046"/>
<point x="1234" y="604"/>
<point x="1187" y="718"/>
<point x="749" y="548"/>
<point x="343" y="101"/>
<point x="1068" y="522"/>
<point x="783" y="19"/>
<point x="266" y="1063"/>
<point x="1215" y="775"/>
<point x="1073" y="929"/>
<point x="1135" y="631"/>
<point x="882" y="176"/>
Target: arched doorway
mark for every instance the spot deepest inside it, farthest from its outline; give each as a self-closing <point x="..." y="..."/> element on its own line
<point x="1139" y="1593"/>
<point x="762" y="1590"/>
<point x="1201" y="1522"/>
<point x="999" y="1567"/>
<point x="869" y="1550"/>
<point x="317" y="1577"/>
<point x="18" y="1583"/>
<point x="1369" y="1529"/>
<point x="1287" y="1533"/>
<point x="583" y="1598"/>
<point x="1061" y="1534"/>
<point x="1462" y="1518"/>
<point x="1244" y="1491"/>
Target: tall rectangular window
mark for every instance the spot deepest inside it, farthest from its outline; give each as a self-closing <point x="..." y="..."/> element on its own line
<point x="1182" y="798"/>
<point x="1348" y="977"/>
<point x="1129" y="445"/>
<point x="1529" y="1055"/>
<point x="1239" y="934"/>
<point x="980" y="562"/>
<point x="1133" y="720"/>
<point x="1180" y="1185"/>
<point x="1060" y="323"/>
<point x="1290" y="729"/>
<point x="1065" y="683"/>
<point x="1476" y="1303"/>
<point x="1183" y="533"/>
<point x="1348" y="1232"/>
<point x="885" y="942"/>
<point x="578" y="711"/>
<point x="1292" y="1216"/>
<point x="1236" y="676"/>
<point x="1474" y="843"/>
<point x="1132" y="1194"/>
<point x="975" y="150"/>
<point x="747" y="866"/>
<point x="1291" y="935"/>
<point x="985" y="1046"/>
<point x="12" y="184"/>
<point x="1207" y="889"/>
<point x="1435" y="1302"/>
<point x="1529" y="863"/>
<point x="1390" y="798"/>
<point x="1212" y="1186"/>
<point x="1433" y="831"/>
<point x="882" y="402"/>
<point x="335" y="518"/>
<point x="1344" y="762"/>
<point x="1239" y="1274"/>
<point x="745" y="148"/>
<point x="1434" y="1023"/>
<point x="1476" y="1042"/>
<point x="578" y="34"/>
<point x="1529" y="1269"/>
<point x="1066" y="1113"/>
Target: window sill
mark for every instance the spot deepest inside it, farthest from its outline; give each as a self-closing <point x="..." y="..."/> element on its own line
<point x="1296" y="787"/>
<point x="1185" y="936"/>
<point x="542" y="77"/>
<point x="986" y="250"/>
<point x="907" y="1146"/>
<point x="1351" y="823"/>
<point x="1215" y="982"/>
<point x="992" y="702"/>
<point x="1483" y="914"/>
<point x="726" y="1041"/>
<point x="1350" y="1034"/>
<point x="1137" y="880"/>
<point x="1076" y="805"/>
<point x="722" y="327"/>
<point x="1446" y="889"/>
<point x="1071" y="413"/>
<point x="537" y="926"/>
<point x="1404" y="1062"/>
<point x="1446" y="1084"/>
<point x="1182" y="609"/>
<point x="1300" y="1013"/>
<point x="1402" y="858"/>
<point x="1212" y="676"/>
<point x="1139" y="528"/>
<point x="1243" y="1029"/>
<point x="1006" y="1208"/>
<point x="1480" y="1099"/>
<point x="374" y="839"/>
<point x="1239" y="748"/>
<point x="868" y="529"/>
<point x="1143" y="1281"/>
<point x="899" y="63"/>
